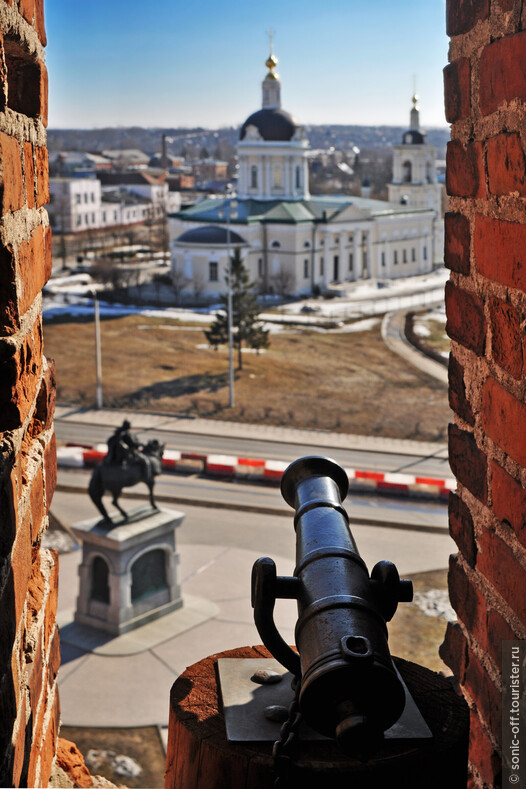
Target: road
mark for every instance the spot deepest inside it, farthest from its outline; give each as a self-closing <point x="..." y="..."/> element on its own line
<point x="434" y="464"/>
<point x="176" y="490"/>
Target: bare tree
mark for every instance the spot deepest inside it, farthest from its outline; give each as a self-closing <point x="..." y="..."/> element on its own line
<point x="179" y="283"/>
<point x="198" y="284"/>
<point x="283" y="282"/>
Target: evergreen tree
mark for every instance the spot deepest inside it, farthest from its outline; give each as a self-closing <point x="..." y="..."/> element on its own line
<point x="246" y="327"/>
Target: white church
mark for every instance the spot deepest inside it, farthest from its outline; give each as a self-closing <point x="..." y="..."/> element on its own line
<point x="293" y="243"/>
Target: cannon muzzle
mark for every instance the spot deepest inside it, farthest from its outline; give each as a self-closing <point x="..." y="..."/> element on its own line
<point x="349" y="687"/>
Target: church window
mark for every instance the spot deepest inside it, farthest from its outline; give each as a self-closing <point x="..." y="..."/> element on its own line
<point x="254" y="177"/>
<point x="383" y="259"/>
<point x="351" y="261"/>
<point x="306" y="269"/>
<point x="413" y="254"/>
<point x="321" y="267"/>
<point x="212" y="271"/>
<point x="407" y="172"/>
<point x="275" y="245"/>
<point x="260" y="267"/>
<point x="395" y="259"/>
<point x="298" y="177"/>
<point x="404" y="256"/>
<point x="277" y="177"/>
<point x="425" y="253"/>
<point x="306" y="245"/>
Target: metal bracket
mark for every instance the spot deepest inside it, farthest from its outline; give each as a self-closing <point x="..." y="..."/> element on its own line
<point x="244" y="703"/>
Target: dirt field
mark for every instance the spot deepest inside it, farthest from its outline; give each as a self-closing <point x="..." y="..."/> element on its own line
<point x="346" y="382"/>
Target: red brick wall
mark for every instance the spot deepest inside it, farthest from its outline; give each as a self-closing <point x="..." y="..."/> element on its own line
<point x="29" y="646"/>
<point x="485" y="99"/>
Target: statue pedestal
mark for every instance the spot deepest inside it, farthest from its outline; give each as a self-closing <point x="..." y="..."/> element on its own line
<point x="128" y="574"/>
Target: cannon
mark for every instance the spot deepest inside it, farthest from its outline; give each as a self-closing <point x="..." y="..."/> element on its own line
<point x="349" y="688"/>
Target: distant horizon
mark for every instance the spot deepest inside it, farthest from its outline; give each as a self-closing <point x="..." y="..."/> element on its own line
<point x="445" y="127"/>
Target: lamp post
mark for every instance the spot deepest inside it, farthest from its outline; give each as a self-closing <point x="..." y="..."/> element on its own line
<point x="98" y="350"/>
<point x="230" y="204"/>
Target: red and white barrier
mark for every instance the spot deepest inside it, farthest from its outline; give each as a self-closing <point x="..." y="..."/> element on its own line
<point x="254" y="469"/>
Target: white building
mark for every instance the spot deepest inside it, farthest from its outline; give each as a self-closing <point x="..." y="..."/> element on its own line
<point x="292" y="242"/>
<point x="75" y="204"/>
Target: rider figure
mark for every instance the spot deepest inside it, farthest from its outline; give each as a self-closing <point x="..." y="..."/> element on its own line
<point x="123" y="446"/>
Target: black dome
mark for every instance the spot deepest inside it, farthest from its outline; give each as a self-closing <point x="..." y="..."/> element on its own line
<point x="209" y="234"/>
<point x="273" y="125"/>
<point x="414" y="137"/>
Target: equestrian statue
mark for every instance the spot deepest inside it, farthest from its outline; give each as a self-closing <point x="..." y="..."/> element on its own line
<point x="127" y="463"/>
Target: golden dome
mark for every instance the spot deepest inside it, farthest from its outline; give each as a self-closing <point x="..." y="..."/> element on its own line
<point x="271" y="61"/>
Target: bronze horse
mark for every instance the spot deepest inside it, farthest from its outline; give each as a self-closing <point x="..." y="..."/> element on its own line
<point x="141" y="466"/>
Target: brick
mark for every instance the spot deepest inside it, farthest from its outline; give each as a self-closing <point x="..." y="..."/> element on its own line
<point x="458" y="401"/>
<point x="461" y="528"/>
<point x="36" y="677"/>
<point x="466" y="599"/>
<point x="37" y="504"/>
<point x="12" y="178"/>
<point x="506" y="165"/>
<point x="500" y="251"/>
<point x="453" y="650"/>
<point x="21" y="565"/>
<point x="457" y="242"/>
<point x="51" y="602"/>
<point x="497" y="631"/>
<point x="468" y="462"/>
<point x="8" y="295"/>
<point x="42" y="170"/>
<point x="29" y="172"/>
<point x="19" y="377"/>
<point x="48" y="249"/>
<point x="45" y="405"/>
<point x="503" y="419"/>
<point x="27" y="9"/>
<point x="39" y="21"/>
<point x="457" y="90"/>
<point x="506" y="340"/>
<point x="502" y="72"/>
<point x="50" y="470"/>
<point x="509" y="501"/>
<point x="70" y="759"/>
<point x="3" y="76"/>
<point x="20" y="755"/>
<point x="31" y="269"/>
<point x="463" y="15"/>
<point x="487" y="697"/>
<point x="482" y="752"/>
<point x="465" y="318"/>
<point x="35" y="590"/>
<point x="43" y="96"/>
<point x="465" y="169"/>
<point x="54" y="656"/>
<point x="497" y="562"/>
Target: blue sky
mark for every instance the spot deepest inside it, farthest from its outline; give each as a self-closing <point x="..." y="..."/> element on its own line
<point x="174" y="63"/>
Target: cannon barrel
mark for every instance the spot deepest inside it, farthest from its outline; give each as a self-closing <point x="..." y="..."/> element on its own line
<point x="349" y="687"/>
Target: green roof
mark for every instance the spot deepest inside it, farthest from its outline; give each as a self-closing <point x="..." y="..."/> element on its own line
<point x="319" y="208"/>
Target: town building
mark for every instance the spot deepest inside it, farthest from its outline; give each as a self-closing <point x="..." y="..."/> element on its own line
<point x="294" y="243"/>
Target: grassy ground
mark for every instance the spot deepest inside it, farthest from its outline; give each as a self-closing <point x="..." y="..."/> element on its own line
<point x="328" y="381"/>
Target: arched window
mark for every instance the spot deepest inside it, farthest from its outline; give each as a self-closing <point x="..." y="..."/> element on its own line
<point x="254" y="177"/>
<point x="298" y="177"/>
<point x="275" y="245"/>
<point x="100" y="587"/>
<point x="407" y="172"/>
<point x="148" y="574"/>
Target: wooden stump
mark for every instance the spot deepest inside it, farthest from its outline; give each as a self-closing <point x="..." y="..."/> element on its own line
<point x="200" y="757"/>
